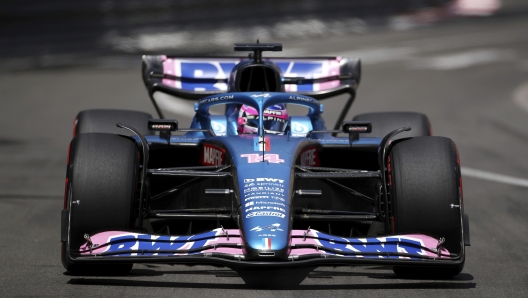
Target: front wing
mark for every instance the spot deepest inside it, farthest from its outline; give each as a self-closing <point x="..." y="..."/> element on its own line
<point x="225" y="247"/>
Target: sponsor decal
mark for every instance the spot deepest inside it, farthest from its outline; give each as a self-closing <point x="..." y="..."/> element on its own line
<point x="304" y="98"/>
<point x="264" y="180"/>
<point x="269" y="184"/>
<point x="263" y="188"/>
<point x="132" y="241"/>
<point x="310" y="157"/>
<point x="265" y="213"/>
<point x="256" y="198"/>
<point x="178" y="138"/>
<point x="266" y="208"/>
<point x="261" y="144"/>
<point x="336" y="140"/>
<point x="274" y="112"/>
<point x="261" y="95"/>
<point x="396" y="244"/>
<point x="272" y="195"/>
<point x="218" y="70"/>
<point x="161" y="126"/>
<point x="358" y="128"/>
<point x="255" y="157"/>
<point x="299" y="129"/>
<point x="266" y="242"/>
<point x="277" y="119"/>
<point x="212" y="155"/>
<point x="216" y="98"/>
<point x="218" y="128"/>
<point x="273" y="227"/>
<point x="267" y="203"/>
<point x="277" y="198"/>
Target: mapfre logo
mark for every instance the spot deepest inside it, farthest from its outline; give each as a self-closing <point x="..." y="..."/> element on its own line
<point x="310" y="157"/>
<point x="212" y="155"/>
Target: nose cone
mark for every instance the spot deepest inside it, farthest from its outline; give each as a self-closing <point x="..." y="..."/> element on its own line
<point x="267" y="242"/>
<point x="265" y="195"/>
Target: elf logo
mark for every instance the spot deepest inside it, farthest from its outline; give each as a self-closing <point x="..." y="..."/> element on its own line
<point x="212" y="155"/>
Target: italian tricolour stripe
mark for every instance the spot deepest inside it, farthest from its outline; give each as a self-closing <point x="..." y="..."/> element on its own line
<point x="267" y="243"/>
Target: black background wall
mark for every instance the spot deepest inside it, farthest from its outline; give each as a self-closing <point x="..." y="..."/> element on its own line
<point x="37" y="28"/>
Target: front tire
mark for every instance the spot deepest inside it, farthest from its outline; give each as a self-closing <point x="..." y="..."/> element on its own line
<point x="425" y="196"/>
<point x="102" y="181"/>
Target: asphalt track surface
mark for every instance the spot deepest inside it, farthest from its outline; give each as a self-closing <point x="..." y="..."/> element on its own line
<point x="464" y="76"/>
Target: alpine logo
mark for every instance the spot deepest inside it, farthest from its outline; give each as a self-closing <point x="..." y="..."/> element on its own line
<point x="212" y="155"/>
<point x="271" y="158"/>
<point x="273" y="227"/>
<point x="261" y="95"/>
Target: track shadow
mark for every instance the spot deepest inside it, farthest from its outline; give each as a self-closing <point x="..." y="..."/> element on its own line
<point x="163" y="284"/>
<point x="278" y="280"/>
<point x="389" y="275"/>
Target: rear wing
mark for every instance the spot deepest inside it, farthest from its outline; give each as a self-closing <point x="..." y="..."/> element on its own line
<point x="196" y="77"/>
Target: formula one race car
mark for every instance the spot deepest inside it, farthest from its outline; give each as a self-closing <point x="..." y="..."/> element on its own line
<point x="254" y="187"/>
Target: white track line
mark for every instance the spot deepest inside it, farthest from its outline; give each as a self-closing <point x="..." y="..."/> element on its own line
<point x="494" y="177"/>
<point x="464" y="59"/>
<point x="520" y="96"/>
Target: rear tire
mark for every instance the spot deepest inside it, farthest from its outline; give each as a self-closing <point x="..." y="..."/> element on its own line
<point x="385" y="122"/>
<point x="102" y="179"/>
<point x="88" y="121"/>
<point x="424" y="176"/>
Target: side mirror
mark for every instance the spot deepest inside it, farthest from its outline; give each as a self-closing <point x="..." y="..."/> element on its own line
<point x="354" y="128"/>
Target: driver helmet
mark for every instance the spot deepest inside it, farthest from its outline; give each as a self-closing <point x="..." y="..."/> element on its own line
<point x="275" y="119"/>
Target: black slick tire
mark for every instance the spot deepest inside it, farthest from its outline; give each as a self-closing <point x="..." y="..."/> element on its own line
<point x="385" y="122"/>
<point x="102" y="181"/>
<point x="425" y="197"/>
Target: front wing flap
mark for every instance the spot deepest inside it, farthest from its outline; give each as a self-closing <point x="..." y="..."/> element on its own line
<point x="225" y="247"/>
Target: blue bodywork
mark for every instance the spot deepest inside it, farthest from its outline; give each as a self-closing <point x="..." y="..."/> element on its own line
<point x="264" y="178"/>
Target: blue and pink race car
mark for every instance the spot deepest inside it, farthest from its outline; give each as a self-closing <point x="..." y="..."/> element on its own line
<point x="254" y="186"/>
